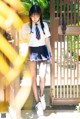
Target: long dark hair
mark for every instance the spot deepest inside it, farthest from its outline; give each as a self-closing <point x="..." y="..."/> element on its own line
<point x="36" y="9"/>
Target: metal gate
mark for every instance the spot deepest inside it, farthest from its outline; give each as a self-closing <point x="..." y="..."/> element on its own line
<point x="65" y="42"/>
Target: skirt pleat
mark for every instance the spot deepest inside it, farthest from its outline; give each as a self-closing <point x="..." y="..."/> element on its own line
<point x="40" y="53"/>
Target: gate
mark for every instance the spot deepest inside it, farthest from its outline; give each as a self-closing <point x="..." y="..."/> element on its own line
<point x="65" y="43"/>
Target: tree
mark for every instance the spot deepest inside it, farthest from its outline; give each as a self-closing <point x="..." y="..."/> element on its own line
<point x="45" y="6"/>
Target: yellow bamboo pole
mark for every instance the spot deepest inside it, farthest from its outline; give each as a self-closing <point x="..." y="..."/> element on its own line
<point x="16" y="5"/>
<point x="11" y="16"/>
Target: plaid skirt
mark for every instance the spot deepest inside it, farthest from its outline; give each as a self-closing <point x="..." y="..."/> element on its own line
<point x="40" y="53"/>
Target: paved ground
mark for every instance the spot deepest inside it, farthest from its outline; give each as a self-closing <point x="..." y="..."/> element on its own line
<point x="50" y="114"/>
<point x="55" y="112"/>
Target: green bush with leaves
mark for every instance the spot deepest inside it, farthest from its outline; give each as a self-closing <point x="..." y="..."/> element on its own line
<point x="45" y="6"/>
<point x="73" y="43"/>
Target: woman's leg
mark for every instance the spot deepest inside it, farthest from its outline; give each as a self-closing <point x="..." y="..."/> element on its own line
<point x="42" y="72"/>
<point x="42" y="75"/>
<point x="38" y="106"/>
<point x="33" y="69"/>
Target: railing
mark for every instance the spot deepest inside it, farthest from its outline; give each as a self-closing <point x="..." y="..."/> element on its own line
<point x="65" y="68"/>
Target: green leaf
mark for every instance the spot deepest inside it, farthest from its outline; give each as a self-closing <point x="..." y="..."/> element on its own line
<point x="27" y="7"/>
<point x="44" y="3"/>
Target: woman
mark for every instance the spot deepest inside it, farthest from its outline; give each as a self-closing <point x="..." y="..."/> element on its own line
<point x="40" y="53"/>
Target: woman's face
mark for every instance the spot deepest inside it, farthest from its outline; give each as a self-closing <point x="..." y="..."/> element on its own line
<point x="35" y="17"/>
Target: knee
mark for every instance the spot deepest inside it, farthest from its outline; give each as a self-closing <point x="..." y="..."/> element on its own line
<point x="42" y="79"/>
<point x="33" y="79"/>
<point x="41" y="76"/>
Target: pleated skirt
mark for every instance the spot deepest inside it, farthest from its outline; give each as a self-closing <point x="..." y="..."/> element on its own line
<point x="40" y="53"/>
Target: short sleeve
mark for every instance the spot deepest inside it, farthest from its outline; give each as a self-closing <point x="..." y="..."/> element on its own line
<point x="46" y="29"/>
<point x="25" y="30"/>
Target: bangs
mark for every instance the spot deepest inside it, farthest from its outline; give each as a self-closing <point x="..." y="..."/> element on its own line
<point x="35" y="9"/>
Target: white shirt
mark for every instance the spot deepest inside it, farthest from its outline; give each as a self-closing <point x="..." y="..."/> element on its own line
<point x="34" y="42"/>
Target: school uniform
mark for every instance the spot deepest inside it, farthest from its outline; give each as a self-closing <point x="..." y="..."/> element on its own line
<point x="37" y="47"/>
